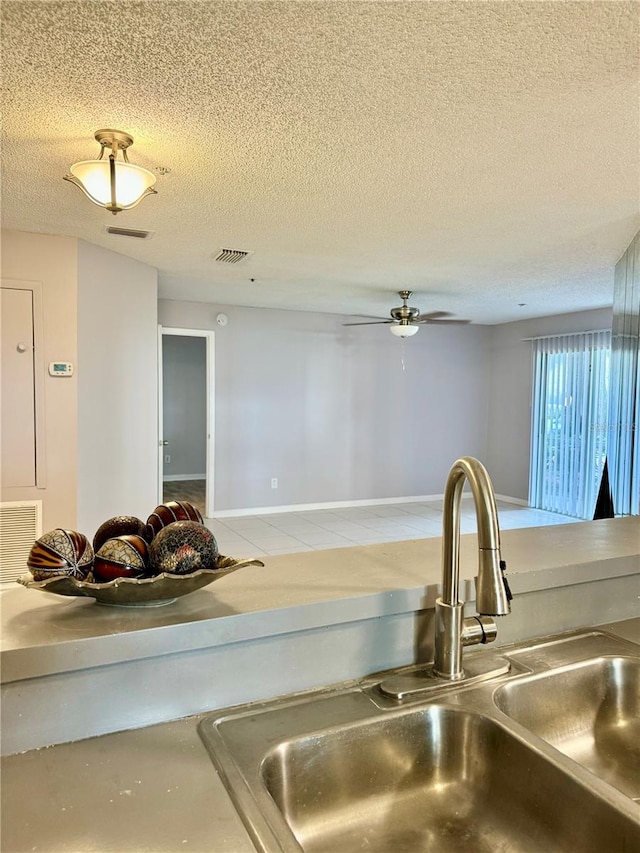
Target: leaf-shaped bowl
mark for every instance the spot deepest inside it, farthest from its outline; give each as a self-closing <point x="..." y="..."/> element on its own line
<point x="139" y="592"/>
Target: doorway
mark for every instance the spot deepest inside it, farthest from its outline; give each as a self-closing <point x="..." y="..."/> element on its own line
<point x="186" y="417"/>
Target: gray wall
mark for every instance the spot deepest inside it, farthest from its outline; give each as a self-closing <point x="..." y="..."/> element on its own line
<point x="117" y="387"/>
<point x="100" y="313"/>
<point x="184" y="388"/>
<point x="509" y="438"/>
<point x="54" y="262"/>
<point x="331" y="412"/>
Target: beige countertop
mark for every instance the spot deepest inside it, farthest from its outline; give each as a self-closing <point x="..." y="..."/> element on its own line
<point x="153" y="790"/>
<point x="142" y="791"/>
<point x="350" y="611"/>
<point x="540" y="556"/>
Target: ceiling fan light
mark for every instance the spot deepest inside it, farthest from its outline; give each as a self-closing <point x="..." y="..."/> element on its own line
<point x="403" y="330"/>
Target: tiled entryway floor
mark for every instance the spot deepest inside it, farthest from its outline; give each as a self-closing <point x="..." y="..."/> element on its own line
<point x="312" y="530"/>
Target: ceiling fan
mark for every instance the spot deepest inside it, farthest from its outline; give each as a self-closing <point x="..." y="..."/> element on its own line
<point x="406" y="320"/>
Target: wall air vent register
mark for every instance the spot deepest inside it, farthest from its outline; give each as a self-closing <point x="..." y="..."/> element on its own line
<point x="20" y="526"/>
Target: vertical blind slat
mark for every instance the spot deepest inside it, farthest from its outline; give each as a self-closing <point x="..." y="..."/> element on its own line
<point x="568" y="421"/>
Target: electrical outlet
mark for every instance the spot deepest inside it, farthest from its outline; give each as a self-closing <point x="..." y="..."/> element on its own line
<point x="274" y="482"/>
<point x="167" y="458"/>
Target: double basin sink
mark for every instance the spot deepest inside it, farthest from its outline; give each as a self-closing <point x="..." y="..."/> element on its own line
<point x="543" y="758"/>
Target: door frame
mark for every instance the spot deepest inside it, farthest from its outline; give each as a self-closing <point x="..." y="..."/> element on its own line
<point x="210" y="410"/>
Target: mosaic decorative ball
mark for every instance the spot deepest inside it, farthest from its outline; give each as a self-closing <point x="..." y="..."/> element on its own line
<point x="124" y="556"/>
<point x="172" y="511"/>
<point x="120" y="525"/>
<point x="60" y="552"/>
<point x="183" y="547"/>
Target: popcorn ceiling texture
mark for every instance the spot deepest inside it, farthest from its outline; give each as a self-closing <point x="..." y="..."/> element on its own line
<point x="480" y="154"/>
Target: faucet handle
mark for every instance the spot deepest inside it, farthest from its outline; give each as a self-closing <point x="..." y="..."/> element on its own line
<point x="491" y="592"/>
<point x="507" y="588"/>
<point x="478" y="629"/>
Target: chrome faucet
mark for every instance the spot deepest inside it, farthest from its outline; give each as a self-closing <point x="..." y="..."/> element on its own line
<point x="453" y="631"/>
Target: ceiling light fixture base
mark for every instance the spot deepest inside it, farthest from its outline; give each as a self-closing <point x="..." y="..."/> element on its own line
<point x="107" y="138"/>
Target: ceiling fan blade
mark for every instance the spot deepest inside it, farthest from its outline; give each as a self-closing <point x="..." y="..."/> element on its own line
<point x="443" y="322"/>
<point x="369" y="323"/>
<point x="435" y="315"/>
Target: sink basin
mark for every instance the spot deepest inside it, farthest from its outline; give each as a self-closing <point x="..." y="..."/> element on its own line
<point x="441" y="779"/>
<point x="509" y="764"/>
<point x="590" y="711"/>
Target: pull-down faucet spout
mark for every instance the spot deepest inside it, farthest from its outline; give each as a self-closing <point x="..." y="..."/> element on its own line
<point x="492" y="594"/>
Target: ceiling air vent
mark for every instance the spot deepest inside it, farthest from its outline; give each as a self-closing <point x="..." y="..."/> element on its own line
<point x="129" y="232"/>
<point x="231" y="256"/>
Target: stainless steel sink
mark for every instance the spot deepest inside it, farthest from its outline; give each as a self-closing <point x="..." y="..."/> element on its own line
<point x="440" y="779"/>
<point x="346" y="769"/>
<point x="590" y="711"/>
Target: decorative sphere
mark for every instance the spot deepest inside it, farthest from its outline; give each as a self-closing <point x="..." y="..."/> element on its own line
<point x="183" y="547"/>
<point x="172" y="511"/>
<point x="60" y="552"/>
<point x="120" y="525"/>
<point x="121" y="557"/>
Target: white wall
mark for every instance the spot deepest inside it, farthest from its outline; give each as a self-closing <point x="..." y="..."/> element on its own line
<point x="509" y="438"/>
<point x="117" y="387"/>
<point x="52" y="261"/>
<point x="184" y="380"/>
<point x="331" y="412"/>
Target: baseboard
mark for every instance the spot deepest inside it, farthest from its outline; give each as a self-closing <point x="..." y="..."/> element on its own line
<point x="510" y="500"/>
<point x="270" y="510"/>
<point x="273" y="510"/>
<point x="170" y="478"/>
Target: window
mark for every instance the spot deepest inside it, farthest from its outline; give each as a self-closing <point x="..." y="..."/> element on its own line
<point x="569" y="421"/>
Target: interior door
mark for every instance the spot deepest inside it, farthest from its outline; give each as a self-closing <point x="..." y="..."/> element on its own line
<point x="18" y="419"/>
<point x="164" y="447"/>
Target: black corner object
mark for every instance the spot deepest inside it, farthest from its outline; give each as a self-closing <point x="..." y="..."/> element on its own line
<point x="507" y="588"/>
<point x="604" y="503"/>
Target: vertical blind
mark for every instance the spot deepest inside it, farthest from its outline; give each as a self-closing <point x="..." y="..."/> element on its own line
<point x="624" y="411"/>
<point x="569" y="421"/>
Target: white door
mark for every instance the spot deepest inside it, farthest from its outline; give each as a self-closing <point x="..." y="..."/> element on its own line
<point x="18" y="420"/>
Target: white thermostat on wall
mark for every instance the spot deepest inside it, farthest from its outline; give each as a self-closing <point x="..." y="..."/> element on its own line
<point x="60" y="368"/>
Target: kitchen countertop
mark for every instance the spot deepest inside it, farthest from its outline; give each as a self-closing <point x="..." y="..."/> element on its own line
<point x="351" y="611"/>
<point x="42" y="633"/>
<point x="152" y="790"/>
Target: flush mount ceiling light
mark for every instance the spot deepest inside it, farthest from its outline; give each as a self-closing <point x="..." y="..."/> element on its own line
<point x="115" y="184"/>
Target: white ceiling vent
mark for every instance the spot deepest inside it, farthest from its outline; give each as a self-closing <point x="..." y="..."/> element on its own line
<point x="129" y="232"/>
<point x="231" y="256"/>
<point x="20" y="525"/>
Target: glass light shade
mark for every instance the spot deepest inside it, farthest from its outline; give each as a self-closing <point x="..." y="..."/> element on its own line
<point x="402" y="331"/>
<point x="132" y="182"/>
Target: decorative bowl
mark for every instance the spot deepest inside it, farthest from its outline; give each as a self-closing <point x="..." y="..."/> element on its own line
<point x="139" y="592"/>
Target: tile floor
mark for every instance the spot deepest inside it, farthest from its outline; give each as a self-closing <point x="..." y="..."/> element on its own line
<point x="313" y="530"/>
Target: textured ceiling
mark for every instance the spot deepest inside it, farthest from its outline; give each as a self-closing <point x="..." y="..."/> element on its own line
<point x="480" y="154"/>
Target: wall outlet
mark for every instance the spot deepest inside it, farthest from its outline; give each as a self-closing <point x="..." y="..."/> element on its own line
<point x="274" y="482"/>
<point x="167" y="458"/>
